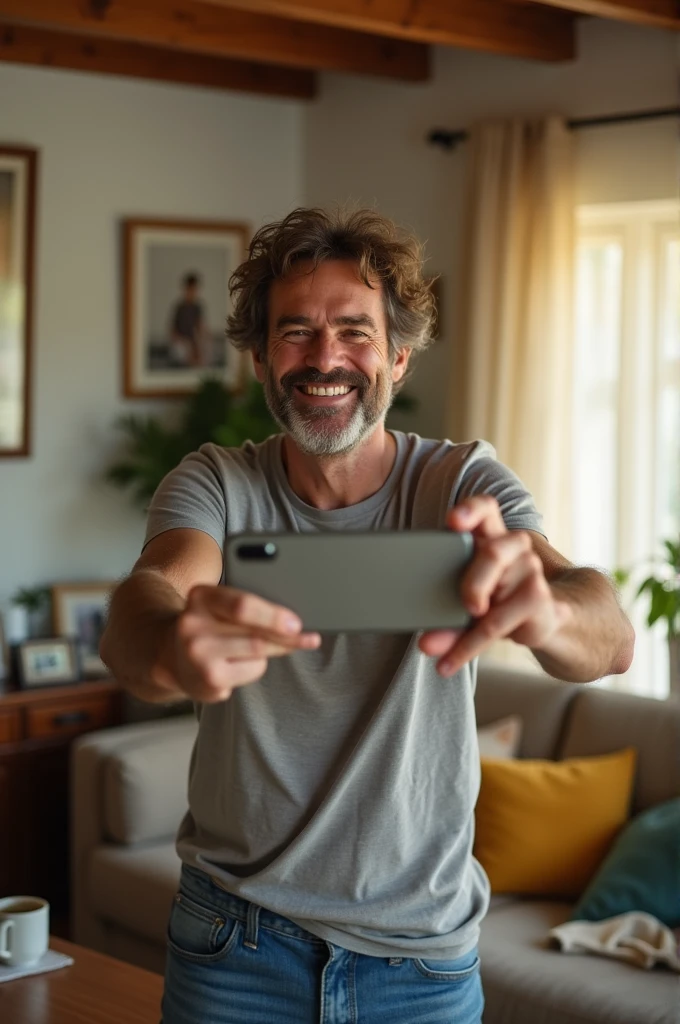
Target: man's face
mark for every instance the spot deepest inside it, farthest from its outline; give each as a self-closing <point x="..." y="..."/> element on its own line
<point x="327" y="330"/>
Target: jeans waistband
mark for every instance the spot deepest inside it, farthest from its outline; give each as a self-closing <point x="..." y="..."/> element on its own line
<point x="202" y="883"/>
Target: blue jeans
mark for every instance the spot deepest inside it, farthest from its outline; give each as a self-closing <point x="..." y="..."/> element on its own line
<point x="232" y="962"/>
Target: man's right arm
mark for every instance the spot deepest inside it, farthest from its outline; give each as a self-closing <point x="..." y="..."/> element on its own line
<point x="173" y="632"/>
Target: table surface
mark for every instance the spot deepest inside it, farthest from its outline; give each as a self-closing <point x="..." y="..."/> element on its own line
<point x="95" y="989"/>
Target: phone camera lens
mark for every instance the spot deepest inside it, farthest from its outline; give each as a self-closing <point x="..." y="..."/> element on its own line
<point x="256" y="552"/>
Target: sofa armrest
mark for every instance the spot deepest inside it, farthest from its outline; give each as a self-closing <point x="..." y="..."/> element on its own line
<point x="116" y="776"/>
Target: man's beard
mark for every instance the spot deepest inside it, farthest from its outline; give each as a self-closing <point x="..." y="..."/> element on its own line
<point x="320" y="431"/>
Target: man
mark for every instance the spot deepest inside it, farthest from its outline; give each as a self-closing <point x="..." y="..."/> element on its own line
<point x="187" y="325"/>
<point x="327" y="866"/>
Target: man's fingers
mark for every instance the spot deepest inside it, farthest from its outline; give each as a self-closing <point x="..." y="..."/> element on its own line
<point x="439" y="641"/>
<point x="501" y="621"/>
<point x="222" y="678"/>
<point x="510" y="554"/>
<point x="479" y="515"/>
<point x="241" y="608"/>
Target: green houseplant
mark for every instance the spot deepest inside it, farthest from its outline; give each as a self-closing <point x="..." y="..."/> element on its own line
<point x="211" y="413"/>
<point x="661" y="588"/>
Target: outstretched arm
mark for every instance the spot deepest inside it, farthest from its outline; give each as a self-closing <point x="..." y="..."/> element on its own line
<point x="518" y="587"/>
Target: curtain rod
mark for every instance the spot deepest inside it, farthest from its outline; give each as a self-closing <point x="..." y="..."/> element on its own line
<point x="449" y="139"/>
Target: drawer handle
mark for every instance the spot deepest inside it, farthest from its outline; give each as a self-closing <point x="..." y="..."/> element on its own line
<point x="71" y="718"/>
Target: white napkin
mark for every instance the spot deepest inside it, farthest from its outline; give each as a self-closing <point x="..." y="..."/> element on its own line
<point x="50" y="961"/>
<point x="636" y="937"/>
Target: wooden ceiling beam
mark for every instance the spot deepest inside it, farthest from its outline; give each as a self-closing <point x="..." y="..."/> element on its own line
<point x="495" y="26"/>
<point x="655" y="13"/>
<point x="23" y="45"/>
<point x="221" y="32"/>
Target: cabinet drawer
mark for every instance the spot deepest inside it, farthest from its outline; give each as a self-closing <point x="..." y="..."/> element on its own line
<point x="10" y="726"/>
<point x="68" y="718"/>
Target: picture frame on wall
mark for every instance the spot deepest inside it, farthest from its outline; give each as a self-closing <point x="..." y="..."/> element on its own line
<point x="176" y="302"/>
<point x="50" y="661"/>
<point x="18" y="175"/>
<point x="79" y="612"/>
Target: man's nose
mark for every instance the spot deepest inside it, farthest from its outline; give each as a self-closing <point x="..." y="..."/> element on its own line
<point x="324" y="352"/>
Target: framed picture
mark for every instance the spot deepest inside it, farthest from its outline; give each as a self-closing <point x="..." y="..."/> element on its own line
<point x="18" y="168"/>
<point x="49" y="662"/>
<point x="4" y="654"/>
<point x="176" y="299"/>
<point x="79" y="613"/>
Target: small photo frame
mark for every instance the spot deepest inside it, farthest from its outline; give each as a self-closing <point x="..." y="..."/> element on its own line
<point x="176" y="302"/>
<point x="46" y="662"/>
<point x="79" y="612"/>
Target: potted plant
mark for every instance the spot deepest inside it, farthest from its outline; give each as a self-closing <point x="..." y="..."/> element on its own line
<point x="32" y="604"/>
<point x="662" y="589"/>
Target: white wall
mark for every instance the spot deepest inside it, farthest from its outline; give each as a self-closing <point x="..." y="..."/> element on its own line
<point x="365" y="141"/>
<point x="111" y="148"/>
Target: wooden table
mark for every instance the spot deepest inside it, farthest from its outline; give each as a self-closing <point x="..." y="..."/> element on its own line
<point x="95" y="989"/>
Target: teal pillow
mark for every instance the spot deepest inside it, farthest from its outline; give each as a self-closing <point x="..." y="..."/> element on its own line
<point x="640" y="872"/>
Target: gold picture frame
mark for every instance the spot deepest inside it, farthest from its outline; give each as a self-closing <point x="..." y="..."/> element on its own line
<point x="18" y="177"/>
<point x="173" y="328"/>
<point x="79" y="612"/>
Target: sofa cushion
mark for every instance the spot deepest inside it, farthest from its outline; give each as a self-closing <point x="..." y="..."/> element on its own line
<point x="543" y="827"/>
<point x="538" y="700"/>
<point x="145" y="783"/>
<point x="133" y="887"/>
<point x="500" y="739"/>
<point x="526" y="981"/>
<point x="601" y="721"/>
<point x="640" y="872"/>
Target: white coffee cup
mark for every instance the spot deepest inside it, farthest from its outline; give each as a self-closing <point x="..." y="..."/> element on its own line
<point x="24" y="930"/>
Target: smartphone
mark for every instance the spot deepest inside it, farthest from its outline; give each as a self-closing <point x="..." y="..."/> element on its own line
<point x="383" y="581"/>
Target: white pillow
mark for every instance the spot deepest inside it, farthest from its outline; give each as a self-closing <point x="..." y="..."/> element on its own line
<point x="500" y="739"/>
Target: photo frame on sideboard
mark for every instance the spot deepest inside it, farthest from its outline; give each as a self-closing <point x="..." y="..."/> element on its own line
<point x="79" y="612"/>
<point x="18" y="176"/>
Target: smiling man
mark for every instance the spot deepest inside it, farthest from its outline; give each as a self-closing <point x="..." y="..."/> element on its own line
<point x="327" y="858"/>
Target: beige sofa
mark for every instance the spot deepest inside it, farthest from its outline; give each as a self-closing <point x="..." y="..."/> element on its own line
<point x="129" y="793"/>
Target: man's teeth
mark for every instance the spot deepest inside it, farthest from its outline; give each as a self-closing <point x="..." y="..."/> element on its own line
<point x="311" y="390"/>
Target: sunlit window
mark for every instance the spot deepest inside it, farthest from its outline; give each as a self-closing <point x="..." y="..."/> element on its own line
<point x="626" y="404"/>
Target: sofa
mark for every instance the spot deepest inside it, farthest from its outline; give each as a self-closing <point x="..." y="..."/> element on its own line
<point x="129" y="792"/>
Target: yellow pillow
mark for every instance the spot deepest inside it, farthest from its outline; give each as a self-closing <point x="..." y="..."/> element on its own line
<point x="544" y="827"/>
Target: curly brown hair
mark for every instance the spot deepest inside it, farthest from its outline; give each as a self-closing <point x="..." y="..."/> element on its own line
<point x="374" y="242"/>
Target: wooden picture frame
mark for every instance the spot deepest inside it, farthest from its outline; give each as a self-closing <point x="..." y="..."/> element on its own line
<point x="173" y="328"/>
<point x="79" y="612"/>
<point x="50" y="661"/>
<point x="18" y="178"/>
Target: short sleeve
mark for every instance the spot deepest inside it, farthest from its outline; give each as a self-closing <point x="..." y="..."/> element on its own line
<point x="486" y="475"/>
<point x="190" y="497"/>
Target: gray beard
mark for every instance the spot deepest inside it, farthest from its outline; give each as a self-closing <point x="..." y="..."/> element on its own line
<point x="315" y="433"/>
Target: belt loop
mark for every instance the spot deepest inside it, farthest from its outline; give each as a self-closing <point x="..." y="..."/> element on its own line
<point x="252" y="925"/>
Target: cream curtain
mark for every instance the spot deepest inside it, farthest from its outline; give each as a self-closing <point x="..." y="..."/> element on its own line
<point x="516" y="305"/>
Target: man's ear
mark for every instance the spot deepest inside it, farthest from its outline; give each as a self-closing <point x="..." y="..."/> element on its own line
<point x="400" y="364"/>
<point x="258" y="365"/>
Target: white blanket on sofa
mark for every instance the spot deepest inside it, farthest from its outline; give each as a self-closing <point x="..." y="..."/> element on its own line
<point x="636" y="937"/>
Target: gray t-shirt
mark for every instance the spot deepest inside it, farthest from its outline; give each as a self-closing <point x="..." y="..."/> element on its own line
<point x="339" y="790"/>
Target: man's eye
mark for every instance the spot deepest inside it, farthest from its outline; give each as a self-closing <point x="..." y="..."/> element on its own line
<point x="296" y="334"/>
<point x="355" y="334"/>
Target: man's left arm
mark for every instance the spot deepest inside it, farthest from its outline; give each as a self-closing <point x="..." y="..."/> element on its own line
<point x="518" y="587"/>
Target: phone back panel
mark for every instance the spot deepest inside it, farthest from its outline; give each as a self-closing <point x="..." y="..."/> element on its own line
<point x="391" y="581"/>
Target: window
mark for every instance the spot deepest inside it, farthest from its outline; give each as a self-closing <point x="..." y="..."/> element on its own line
<point x="626" y="403"/>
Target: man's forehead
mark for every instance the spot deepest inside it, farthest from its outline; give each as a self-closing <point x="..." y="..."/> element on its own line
<point x="336" y="275"/>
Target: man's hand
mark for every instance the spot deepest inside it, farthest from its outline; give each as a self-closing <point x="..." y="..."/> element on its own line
<point x="223" y="639"/>
<point x="504" y="588"/>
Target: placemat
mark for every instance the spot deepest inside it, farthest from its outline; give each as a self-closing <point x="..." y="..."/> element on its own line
<point x="51" y="961"/>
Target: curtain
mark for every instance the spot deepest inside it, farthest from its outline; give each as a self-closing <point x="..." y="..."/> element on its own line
<point x="516" y="305"/>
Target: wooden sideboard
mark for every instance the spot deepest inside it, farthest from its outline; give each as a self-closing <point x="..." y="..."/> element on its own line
<point x="36" y="731"/>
